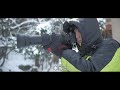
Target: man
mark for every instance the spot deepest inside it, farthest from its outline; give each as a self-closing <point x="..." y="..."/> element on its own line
<point x="89" y="43"/>
<point x="95" y="54"/>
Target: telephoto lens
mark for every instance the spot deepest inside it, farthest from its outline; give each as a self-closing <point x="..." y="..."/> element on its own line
<point x="25" y="40"/>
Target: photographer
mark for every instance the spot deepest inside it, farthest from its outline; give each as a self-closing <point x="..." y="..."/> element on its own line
<point x="95" y="54"/>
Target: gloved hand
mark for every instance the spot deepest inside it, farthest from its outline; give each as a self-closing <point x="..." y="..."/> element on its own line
<point x="56" y="46"/>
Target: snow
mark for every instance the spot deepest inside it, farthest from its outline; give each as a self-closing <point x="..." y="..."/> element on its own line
<point x="44" y="25"/>
<point x="23" y="23"/>
<point x="1" y="44"/>
<point x="14" y="60"/>
<point x="74" y="19"/>
<point x="6" y="18"/>
<point x="4" y="27"/>
<point x="101" y="19"/>
<point x="36" y="52"/>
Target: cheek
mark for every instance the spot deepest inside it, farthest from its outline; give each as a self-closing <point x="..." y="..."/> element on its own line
<point x="78" y="37"/>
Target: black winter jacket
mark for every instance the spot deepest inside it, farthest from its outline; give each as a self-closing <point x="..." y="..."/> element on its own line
<point x="101" y="51"/>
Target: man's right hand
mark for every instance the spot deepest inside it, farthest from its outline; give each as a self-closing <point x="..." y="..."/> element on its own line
<point x="56" y="46"/>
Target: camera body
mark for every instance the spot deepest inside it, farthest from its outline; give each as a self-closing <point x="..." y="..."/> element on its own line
<point x="69" y="28"/>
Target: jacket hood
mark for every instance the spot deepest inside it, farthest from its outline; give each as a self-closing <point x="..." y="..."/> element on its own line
<point x="89" y="29"/>
<point x="91" y="35"/>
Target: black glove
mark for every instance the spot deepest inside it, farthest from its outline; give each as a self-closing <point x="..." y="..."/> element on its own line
<point x="56" y="46"/>
<point x="68" y="27"/>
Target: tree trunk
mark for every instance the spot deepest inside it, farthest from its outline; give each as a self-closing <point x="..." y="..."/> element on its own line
<point x="37" y="62"/>
<point x="116" y="28"/>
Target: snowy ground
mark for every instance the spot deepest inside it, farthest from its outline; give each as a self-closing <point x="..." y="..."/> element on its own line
<point x="16" y="59"/>
<point x="13" y="61"/>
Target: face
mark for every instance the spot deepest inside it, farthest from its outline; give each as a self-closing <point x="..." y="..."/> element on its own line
<point x="78" y="36"/>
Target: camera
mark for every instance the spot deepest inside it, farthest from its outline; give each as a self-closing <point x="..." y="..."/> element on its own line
<point x="69" y="28"/>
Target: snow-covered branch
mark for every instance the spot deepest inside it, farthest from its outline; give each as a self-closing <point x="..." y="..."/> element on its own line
<point x="25" y="22"/>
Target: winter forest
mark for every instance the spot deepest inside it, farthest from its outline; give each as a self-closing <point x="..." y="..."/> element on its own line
<point x="32" y="58"/>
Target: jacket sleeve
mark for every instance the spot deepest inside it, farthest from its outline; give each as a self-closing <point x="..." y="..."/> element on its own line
<point x="98" y="60"/>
